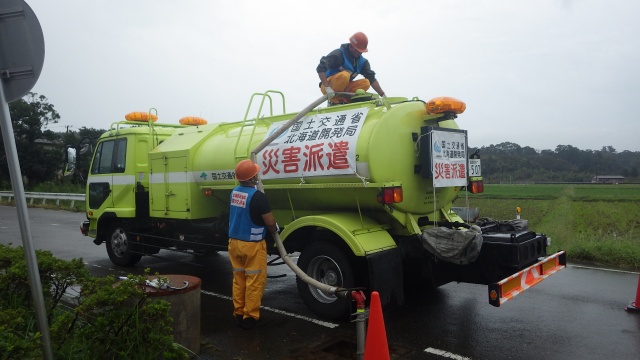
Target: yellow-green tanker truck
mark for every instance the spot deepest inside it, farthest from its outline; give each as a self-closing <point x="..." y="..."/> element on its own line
<point x="363" y="191"/>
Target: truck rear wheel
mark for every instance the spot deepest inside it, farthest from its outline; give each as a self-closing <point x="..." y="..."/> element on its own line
<point x="325" y="263"/>
<point x="119" y="247"/>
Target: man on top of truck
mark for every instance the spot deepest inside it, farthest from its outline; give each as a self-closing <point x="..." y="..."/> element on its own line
<point x="337" y="71"/>
<point x="249" y="219"/>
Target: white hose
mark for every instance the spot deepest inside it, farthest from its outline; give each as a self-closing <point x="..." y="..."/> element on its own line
<point x="332" y="290"/>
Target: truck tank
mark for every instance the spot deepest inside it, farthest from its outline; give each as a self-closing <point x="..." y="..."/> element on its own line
<point x="363" y="191"/>
<point x="382" y="150"/>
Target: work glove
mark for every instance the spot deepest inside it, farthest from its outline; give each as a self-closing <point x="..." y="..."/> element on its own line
<point x="330" y="92"/>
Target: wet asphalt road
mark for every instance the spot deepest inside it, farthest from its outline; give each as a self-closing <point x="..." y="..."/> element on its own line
<point x="576" y="314"/>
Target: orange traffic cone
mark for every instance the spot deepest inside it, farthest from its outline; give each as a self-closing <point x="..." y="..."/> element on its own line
<point x="376" y="347"/>
<point x="634" y="305"/>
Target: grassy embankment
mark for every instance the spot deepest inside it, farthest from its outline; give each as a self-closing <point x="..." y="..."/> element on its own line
<point x="595" y="224"/>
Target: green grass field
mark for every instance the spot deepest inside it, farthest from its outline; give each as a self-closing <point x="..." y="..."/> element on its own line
<point x="595" y="224"/>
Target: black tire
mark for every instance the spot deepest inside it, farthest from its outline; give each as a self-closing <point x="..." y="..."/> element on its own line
<point x="329" y="265"/>
<point x="119" y="246"/>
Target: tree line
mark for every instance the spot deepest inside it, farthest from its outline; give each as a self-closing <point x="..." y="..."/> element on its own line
<point x="509" y="162"/>
<point x="41" y="150"/>
<point x="41" y="154"/>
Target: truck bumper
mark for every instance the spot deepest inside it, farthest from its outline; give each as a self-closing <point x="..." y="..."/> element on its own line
<point x="508" y="288"/>
<point x="84" y="228"/>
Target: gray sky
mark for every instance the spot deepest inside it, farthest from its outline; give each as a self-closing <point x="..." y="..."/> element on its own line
<point x="537" y="73"/>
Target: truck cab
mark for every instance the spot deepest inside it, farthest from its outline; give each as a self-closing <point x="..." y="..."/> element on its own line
<point x="118" y="183"/>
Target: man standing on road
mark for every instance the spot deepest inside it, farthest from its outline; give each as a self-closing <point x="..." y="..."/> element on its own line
<point x="249" y="218"/>
<point x="337" y="71"/>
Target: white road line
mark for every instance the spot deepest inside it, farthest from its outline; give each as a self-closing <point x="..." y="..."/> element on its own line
<point x="305" y="318"/>
<point x="603" y="269"/>
<point x="445" y="354"/>
<point x="110" y="269"/>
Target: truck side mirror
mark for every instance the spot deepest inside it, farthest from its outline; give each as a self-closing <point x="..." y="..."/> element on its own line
<point x="69" y="160"/>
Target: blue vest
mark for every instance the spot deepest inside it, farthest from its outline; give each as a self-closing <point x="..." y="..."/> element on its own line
<point x="240" y="225"/>
<point x="346" y="65"/>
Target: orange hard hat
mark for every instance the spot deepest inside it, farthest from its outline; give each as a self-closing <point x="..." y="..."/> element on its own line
<point x="246" y="169"/>
<point x="359" y="41"/>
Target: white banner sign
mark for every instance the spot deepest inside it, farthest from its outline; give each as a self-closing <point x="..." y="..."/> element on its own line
<point x="448" y="158"/>
<point x="319" y="144"/>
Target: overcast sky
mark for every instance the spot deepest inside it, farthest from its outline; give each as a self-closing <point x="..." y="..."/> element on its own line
<point x="537" y="73"/>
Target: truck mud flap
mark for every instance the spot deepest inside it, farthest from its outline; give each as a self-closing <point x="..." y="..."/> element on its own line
<point x="508" y="288"/>
<point x="385" y="276"/>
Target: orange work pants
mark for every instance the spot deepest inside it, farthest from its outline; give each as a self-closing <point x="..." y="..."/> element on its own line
<point x="249" y="263"/>
<point x="340" y="83"/>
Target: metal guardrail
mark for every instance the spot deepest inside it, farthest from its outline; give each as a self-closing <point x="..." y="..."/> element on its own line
<point x="45" y="196"/>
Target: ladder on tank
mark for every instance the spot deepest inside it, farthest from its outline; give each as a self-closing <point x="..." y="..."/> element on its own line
<point x="240" y="151"/>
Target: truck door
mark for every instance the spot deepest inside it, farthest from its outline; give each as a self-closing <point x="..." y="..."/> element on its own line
<point x="108" y="186"/>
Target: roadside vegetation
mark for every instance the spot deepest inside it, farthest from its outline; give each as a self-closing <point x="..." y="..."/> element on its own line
<point x="89" y="318"/>
<point x="595" y="224"/>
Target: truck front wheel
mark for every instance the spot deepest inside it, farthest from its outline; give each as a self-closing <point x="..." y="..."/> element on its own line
<point x="119" y="247"/>
<point x="325" y="263"/>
